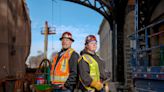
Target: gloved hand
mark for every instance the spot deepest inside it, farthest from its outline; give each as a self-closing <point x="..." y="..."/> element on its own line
<point x="96" y="84"/>
<point x="62" y="87"/>
<point x="106" y="87"/>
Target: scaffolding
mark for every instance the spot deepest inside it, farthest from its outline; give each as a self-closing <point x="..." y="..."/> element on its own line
<point x="147" y="49"/>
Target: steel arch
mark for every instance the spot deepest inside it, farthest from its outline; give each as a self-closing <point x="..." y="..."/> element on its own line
<point x="104" y="7"/>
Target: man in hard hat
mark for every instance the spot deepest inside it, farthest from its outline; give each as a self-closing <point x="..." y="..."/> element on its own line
<point x="64" y="66"/>
<point x="91" y="68"/>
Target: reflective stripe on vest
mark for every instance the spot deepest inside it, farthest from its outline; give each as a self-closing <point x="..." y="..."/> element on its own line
<point x="60" y="72"/>
<point x="94" y="69"/>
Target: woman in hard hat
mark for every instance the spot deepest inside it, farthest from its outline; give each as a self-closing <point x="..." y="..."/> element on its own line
<point x="91" y="68"/>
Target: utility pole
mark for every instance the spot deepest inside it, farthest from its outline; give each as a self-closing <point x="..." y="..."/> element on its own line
<point x="47" y="31"/>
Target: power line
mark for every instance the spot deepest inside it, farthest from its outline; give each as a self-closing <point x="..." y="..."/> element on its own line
<point x="52" y="12"/>
<point x="52" y="20"/>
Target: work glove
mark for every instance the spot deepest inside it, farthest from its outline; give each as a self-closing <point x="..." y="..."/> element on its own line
<point x="96" y="84"/>
<point x="106" y="87"/>
<point x="62" y="87"/>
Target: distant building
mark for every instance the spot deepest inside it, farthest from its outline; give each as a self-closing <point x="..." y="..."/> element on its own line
<point x="34" y="61"/>
<point x="15" y="37"/>
<point x="105" y="49"/>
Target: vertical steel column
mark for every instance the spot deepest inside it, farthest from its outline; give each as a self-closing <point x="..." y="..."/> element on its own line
<point x="146" y="39"/>
<point x="136" y="31"/>
<point x="146" y="46"/>
<point x="114" y="51"/>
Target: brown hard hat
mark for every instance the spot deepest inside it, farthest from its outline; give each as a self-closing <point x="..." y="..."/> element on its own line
<point x="67" y="35"/>
<point x="90" y="38"/>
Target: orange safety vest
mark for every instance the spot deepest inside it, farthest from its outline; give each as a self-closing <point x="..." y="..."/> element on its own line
<point x="59" y="73"/>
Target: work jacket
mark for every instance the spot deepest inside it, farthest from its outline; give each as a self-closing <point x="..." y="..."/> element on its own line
<point x="84" y="70"/>
<point x="94" y="69"/>
<point x="64" y="68"/>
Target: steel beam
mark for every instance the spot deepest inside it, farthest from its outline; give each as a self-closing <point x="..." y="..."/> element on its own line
<point x="101" y="6"/>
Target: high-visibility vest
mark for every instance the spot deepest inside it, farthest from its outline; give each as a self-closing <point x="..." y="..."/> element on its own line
<point x="94" y="69"/>
<point x="60" y="72"/>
